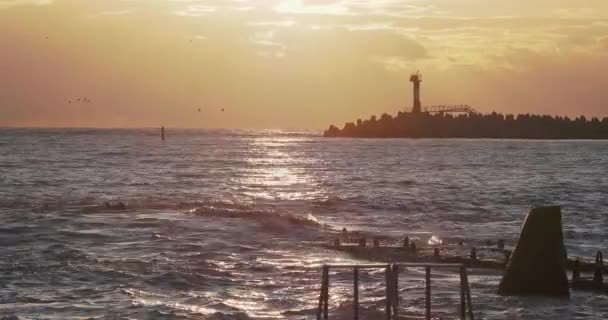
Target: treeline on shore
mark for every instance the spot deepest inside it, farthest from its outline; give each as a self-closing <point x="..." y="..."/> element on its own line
<point x="494" y="125"/>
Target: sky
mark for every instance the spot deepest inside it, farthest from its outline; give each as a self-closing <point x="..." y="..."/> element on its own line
<point x="294" y="64"/>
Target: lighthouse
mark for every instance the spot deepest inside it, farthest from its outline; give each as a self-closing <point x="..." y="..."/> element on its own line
<point x="416" y="78"/>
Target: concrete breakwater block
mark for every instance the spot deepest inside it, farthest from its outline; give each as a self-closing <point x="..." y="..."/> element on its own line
<point x="538" y="263"/>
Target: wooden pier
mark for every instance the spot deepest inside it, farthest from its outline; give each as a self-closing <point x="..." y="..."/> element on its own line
<point x="392" y="288"/>
<point x="393" y="254"/>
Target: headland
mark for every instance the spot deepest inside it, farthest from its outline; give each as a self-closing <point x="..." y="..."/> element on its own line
<point x="462" y="121"/>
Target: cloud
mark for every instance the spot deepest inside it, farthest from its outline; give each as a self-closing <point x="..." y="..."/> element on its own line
<point x="115" y="13"/>
<point x="284" y="63"/>
<point x="4" y="4"/>
<point x="196" y="10"/>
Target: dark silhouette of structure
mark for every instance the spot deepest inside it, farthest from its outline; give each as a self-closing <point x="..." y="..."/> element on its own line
<point x="473" y="125"/>
<point x="162" y="133"/>
<point x="538" y="266"/>
<point x="463" y="121"/>
<point x="116" y="206"/>
<point x="416" y="78"/>
<point x="538" y="262"/>
<point x="598" y="276"/>
<point x="450" y="109"/>
<point x="391" y="288"/>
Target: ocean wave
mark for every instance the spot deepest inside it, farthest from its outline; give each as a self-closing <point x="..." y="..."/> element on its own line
<point x="337" y="200"/>
<point x="83" y="234"/>
<point x="64" y="252"/>
<point x="270" y="219"/>
<point x="14" y="317"/>
<point x="178" y="280"/>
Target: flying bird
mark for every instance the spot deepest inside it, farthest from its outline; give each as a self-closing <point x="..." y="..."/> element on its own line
<point x="81" y="100"/>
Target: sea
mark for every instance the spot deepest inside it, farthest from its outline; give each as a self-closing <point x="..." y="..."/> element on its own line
<point x="232" y="224"/>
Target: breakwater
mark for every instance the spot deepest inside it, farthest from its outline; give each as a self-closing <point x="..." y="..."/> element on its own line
<point x="473" y="125"/>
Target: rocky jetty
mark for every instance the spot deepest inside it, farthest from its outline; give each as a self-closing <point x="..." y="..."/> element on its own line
<point x="473" y="125"/>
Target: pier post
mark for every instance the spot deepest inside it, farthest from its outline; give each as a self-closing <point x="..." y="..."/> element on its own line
<point x="322" y="310"/>
<point x="507" y="257"/>
<point x="388" y="293"/>
<point x="395" y="292"/>
<point x="463" y="302"/>
<point x="598" y="277"/>
<point x="321" y="295"/>
<point x="326" y="298"/>
<point x="467" y="289"/>
<point x="356" y="293"/>
<point x="428" y="293"/>
<point x="576" y="273"/>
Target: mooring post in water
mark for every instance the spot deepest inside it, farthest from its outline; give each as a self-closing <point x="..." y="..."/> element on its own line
<point x="501" y="244"/>
<point x="356" y="293"/>
<point x="473" y="254"/>
<point x="406" y="242"/>
<point x="162" y="133"/>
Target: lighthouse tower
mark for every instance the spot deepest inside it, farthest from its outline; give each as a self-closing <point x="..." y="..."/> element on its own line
<point x="416" y="78"/>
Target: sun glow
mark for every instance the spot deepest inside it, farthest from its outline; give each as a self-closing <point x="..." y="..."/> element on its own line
<point x="293" y="63"/>
<point x="299" y="7"/>
<point x="290" y="6"/>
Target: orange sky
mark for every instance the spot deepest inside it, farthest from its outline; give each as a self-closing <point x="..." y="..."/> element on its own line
<point x="294" y="63"/>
